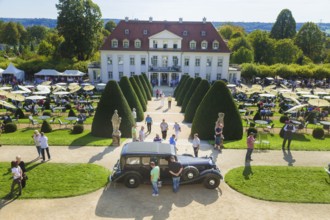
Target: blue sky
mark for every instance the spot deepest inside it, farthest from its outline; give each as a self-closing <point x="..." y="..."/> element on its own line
<point x="189" y="10"/>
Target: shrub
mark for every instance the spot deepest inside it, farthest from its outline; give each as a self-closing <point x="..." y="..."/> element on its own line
<point x="138" y="93"/>
<point x="131" y="97"/>
<point x="147" y="82"/>
<point x="181" y="83"/>
<point x="47" y="113"/>
<point x="145" y="87"/>
<point x="195" y="100"/>
<point x="112" y="99"/>
<point x="78" y="129"/>
<point x="143" y="92"/>
<point x="284" y="118"/>
<point x="318" y="133"/>
<point x="191" y="90"/>
<point x="45" y="127"/>
<point x="67" y="107"/>
<point x="184" y="90"/>
<point x="72" y="113"/>
<point x="19" y="113"/>
<point x="257" y="116"/>
<point x="217" y="99"/>
<point x="10" y="127"/>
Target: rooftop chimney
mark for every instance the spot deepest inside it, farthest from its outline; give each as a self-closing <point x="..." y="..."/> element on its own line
<point x="126" y="19"/>
<point x="150" y="19"/>
<point x="204" y="20"/>
<point x="180" y="20"/>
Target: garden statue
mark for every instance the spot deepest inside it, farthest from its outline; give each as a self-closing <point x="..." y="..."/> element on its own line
<point x="116" y="134"/>
<point x="220" y="118"/>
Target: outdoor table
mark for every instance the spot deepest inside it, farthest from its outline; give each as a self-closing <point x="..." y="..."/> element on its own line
<point x="44" y="117"/>
<point x="261" y="123"/>
<point x="296" y="122"/>
<point x="71" y="119"/>
<point x="58" y="109"/>
<point x="247" y="104"/>
<point x="327" y="123"/>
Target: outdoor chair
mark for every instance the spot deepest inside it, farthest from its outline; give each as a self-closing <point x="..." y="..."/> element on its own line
<point x="269" y="128"/>
<point x="52" y="121"/>
<point x="33" y="122"/>
<point x="62" y="123"/>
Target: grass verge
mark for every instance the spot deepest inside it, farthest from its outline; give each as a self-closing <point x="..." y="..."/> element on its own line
<point x="282" y="184"/>
<point x="59" y="137"/>
<point x="56" y="180"/>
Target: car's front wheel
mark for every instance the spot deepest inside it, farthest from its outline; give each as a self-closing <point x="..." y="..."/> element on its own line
<point x="189" y="173"/>
<point x="132" y="181"/>
<point x="211" y="181"/>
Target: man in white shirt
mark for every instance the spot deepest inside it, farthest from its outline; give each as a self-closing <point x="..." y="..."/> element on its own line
<point x="164" y="128"/>
<point x="134" y="114"/>
<point x="177" y="129"/>
<point x="17" y="177"/>
<point x="196" y="144"/>
<point x="141" y="134"/>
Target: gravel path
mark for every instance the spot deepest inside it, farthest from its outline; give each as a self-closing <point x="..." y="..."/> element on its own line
<point x="193" y="201"/>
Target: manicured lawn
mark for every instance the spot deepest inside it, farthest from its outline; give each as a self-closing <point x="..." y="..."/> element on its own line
<point x="300" y="142"/>
<point x="55" y="180"/>
<point x="59" y="137"/>
<point x="283" y="184"/>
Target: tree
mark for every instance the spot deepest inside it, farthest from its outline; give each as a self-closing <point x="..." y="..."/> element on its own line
<point x="184" y="90"/>
<point x="112" y="99"/>
<point x="36" y="33"/>
<point x="45" y="48"/>
<point x="284" y="27"/>
<point x="249" y="71"/>
<point x="131" y="97"/>
<point x="138" y="93"/>
<point x="227" y="31"/>
<point x="79" y="21"/>
<point x="286" y="51"/>
<point x="179" y="86"/>
<point x="10" y="34"/>
<point x="145" y="87"/>
<point x="242" y="55"/>
<point x="195" y="100"/>
<point x="263" y="46"/>
<point x="148" y="83"/>
<point x="191" y="90"/>
<point x="217" y="99"/>
<point x="236" y="43"/>
<point x="110" y="26"/>
<point x="143" y="92"/>
<point x="311" y="40"/>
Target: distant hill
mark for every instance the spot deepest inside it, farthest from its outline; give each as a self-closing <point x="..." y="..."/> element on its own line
<point x="248" y="26"/>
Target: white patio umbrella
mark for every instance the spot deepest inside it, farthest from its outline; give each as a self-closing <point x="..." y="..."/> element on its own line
<point x="295" y="100"/>
<point x="319" y="102"/>
<point x="20" y="92"/>
<point x="3" y="92"/>
<point x="303" y="92"/>
<point x="321" y="93"/>
<point x="267" y="95"/>
<point x="326" y="97"/>
<point x="76" y="89"/>
<point x="61" y="84"/>
<point x="61" y="93"/>
<point x="7" y="104"/>
<point x="41" y="92"/>
<point x="296" y="107"/>
<point x="46" y="83"/>
<point x="16" y="97"/>
<point x="36" y="97"/>
<point x="24" y="88"/>
<point x="88" y="88"/>
<point x="290" y="95"/>
<point x="6" y="88"/>
<point x="231" y="85"/>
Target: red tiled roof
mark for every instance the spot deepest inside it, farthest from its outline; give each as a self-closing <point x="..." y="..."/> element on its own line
<point x="193" y="29"/>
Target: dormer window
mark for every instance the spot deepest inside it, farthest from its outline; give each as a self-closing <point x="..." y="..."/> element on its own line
<point x="126" y="31"/>
<point x="125" y="43"/>
<point x="145" y="32"/>
<point x="154" y="44"/>
<point x="137" y="44"/>
<point x="204" y="45"/>
<point x="114" y="43"/>
<point x="165" y="44"/>
<point x="215" y="45"/>
<point x="192" y="45"/>
<point x="203" y="33"/>
<point x="185" y="33"/>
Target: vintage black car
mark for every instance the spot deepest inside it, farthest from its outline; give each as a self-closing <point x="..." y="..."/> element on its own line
<point x="133" y="167"/>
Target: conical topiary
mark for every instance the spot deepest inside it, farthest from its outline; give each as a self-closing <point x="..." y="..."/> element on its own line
<point x="138" y="93"/>
<point x="72" y="113"/>
<point x="19" y="113"/>
<point x="146" y="89"/>
<point x="148" y="83"/>
<point x="217" y="99"/>
<point x="179" y="86"/>
<point x="189" y="93"/>
<point x="180" y="96"/>
<point x="195" y="100"/>
<point x="45" y="127"/>
<point x="143" y="92"/>
<point x="112" y="99"/>
<point x="131" y="97"/>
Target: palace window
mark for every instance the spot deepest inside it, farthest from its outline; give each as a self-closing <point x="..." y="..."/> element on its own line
<point x="185" y="33"/>
<point x="209" y="61"/>
<point x="109" y="61"/>
<point x="196" y="75"/>
<point x="120" y="60"/>
<point x="204" y="45"/>
<point x="175" y="60"/>
<point x="154" y="60"/>
<point x="218" y="76"/>
<point x="132" y="74"/>
<point x="126" y="31"/>
<point x="143" y="61"/>
<point x="203" y="33"/>
<point x="197" y="62"/>
<point x="114" y="43"/>
<point x="186" y="61"/>
<point x="110" y="75"/>
<point x="120" y="74"/>
<point x="220" y="61"/>
<point x="145" y="32"/>
<point x="132" y="61"/>
<point x="137" y="44"/>
<point x="155" y="44"/>
<point x="215" y="45"/>
<point x="208" y="77"/>
<point x="125" y="43"/>
<point x="192" y="45"/>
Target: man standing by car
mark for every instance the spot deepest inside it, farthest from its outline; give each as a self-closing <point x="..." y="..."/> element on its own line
<point x="175" y="169"/>
<point x="154" y="177"/>
<point x="196" y="144"/>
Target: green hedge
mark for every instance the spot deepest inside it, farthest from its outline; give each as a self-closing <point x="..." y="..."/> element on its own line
<point x="183" y="91"/>
<point x="179" y="86"/>
<point x="191" y="90"/>
<point x="145" y="87"/>
<point x="138" y="93"/>
<point x="143" y="92"/>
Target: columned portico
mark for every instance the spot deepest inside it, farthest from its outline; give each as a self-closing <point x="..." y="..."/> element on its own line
<point x="164" y="78"/>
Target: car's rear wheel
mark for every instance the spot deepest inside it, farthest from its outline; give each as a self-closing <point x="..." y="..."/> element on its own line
<point x="132" y="181"/>
<point x="189" y="173"/>
<point x="211" y="181"/>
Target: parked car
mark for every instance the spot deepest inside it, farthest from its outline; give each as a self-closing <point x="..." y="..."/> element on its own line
<point x="133" y="167"/>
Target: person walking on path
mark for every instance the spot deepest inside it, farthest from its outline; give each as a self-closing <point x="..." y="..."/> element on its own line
<point x="134" y="114"/>
<point x="36" y="137"/>
<point x="157" y="139"/>
<point x="175" y="169"/>
<point x="157" y="94"/>
<point x="164" y="128"/>
<point x="154" y="177"/>
<point x="141" y="134"/>
<point x="16" y="171"/>
<point x="218" y="135"/>
<point x="173" y="141"/>
<point x="177" y="129"/>
<point x="134" y="135"/>
<point x="44" y="146"/>
<point x="148" y="121"/>
<point x="289" y="129"/>
<point x="250" y="146"/>
<point x="169" y="101"/>
<point x="196" y="144"/>
<point x="21" y="164"/>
